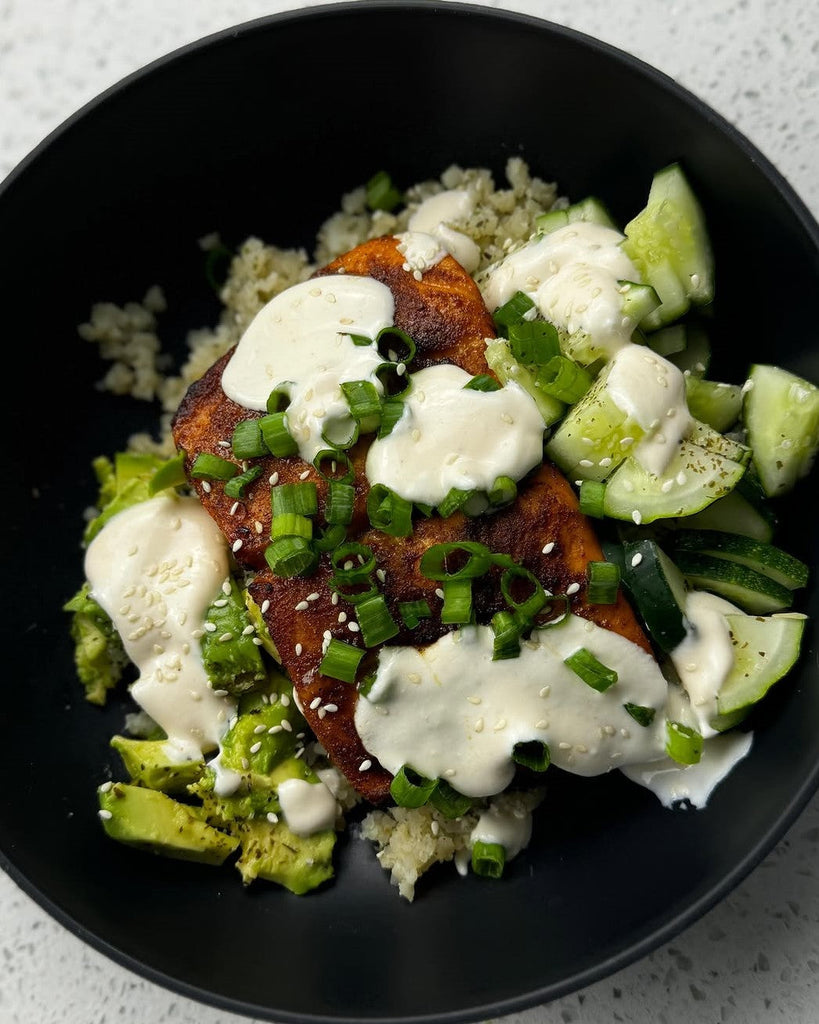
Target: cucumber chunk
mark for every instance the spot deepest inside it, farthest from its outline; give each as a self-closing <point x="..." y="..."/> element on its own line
<point x="658" y="590"/>
<point x="771" y="561"/>
<point x="668" y="243"/>
<point x="765" y="649"/>
<point x="750" y="590"/>
<point x="781" y="415"/>
<point x="687" y="346"/>
<point x="734" y="514"/>
<point x="717" y="404"/>
<point x="693" y="479"/>
<point x="590" y="210"/>
<point x="712" y="441"/>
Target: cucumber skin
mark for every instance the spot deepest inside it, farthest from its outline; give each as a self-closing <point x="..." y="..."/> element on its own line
<point x="652" y="584"/>
<point x="766" y="559"/>
<point x="753" y="676"/>
<point x="755" y="593"/>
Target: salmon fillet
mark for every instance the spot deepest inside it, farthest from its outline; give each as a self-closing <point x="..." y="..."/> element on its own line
<point x="446" y="317"/>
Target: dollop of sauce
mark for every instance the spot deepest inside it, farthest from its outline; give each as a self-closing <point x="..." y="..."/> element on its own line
<point x="450" y="437"/>
<point x="706" y="656"/>
<point x="651" y="391"/>
<point x="155" y="568"/>
<point x="508" y="826"/>
<point x="672" y="783"/>
<point x="573" y="276"/>
<point x="308" y="807"/>
<point x="451" y="712"/>
<point x="437" y="215"/>
<point x="301" y="343"/>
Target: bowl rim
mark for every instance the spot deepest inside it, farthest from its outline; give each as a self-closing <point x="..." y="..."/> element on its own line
<point x="789" y="813"/>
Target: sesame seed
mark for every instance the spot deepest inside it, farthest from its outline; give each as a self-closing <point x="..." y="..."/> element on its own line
<point x="220" y="693"/>
<point x="500" y="725"/>
<point x="260" y="729"/>
<point x="206" y="487"/>
<point x="542" y="724"/>
<point x="105" y="787"/>
<point x="479" y="725"/>
<point x="334" y="598"/>
<point x="439" y="593"/>
<point x="313" y="597"/>
<point x="586" y="462"/>
<point x="314" y="703"/>
<point x="342" y="616"/>
<point x="381" y="574"/>
<point x="272" y="818"/>
<point x="210" y="627"/>
<point x="286" y="725"/>
<point x="225" y="637"/>
<point x="256" y="747"/>
<point x="285" y="700"/>
<point x="365" y="765"/>
<point x="548" y="548"/>
<point x="302" y="606"/>
<point x="304" y="475"/>
<point x="321" y="713"/>
<point x="572" y="588"/>
<point x="105" y="815"/>
<point x="331" y="708"/>
<point x="223" y="444"/>
<point x="233" y="508"/>
<point x="298" y="649"/>
<point x="247" y="630"/>
<point x="245" y="763"/>
<point x="434" y="827"/>
<point x="565" y="746"/>
<point x="636" y="559"/>
<point x="237" y="544"/>
<point x="474" y="700"/>
<point x="265" y="606"/>
<point x="545" y="691"/>
<point x="274" y="730"/>
<point x="401" y="369"/>
<point x="637" y="516"/>
<point x="257" y="526"/>
<point x="226" y="587"/>
<point x="353" y="627"/>
<point x="273" y="479"/>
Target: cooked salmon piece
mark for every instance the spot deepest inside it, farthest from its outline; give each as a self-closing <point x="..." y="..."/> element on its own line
<point x="443" y="313"/>
<point x="546" y="511"/>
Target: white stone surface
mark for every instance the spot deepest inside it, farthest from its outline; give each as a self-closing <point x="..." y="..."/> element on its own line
<point x="753" y="959"/>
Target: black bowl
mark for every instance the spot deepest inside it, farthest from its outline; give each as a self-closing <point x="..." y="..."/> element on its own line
<point x="260" y="130"/>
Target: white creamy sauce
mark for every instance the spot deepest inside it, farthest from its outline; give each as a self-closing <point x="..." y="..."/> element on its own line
<point x="572" y="275"/>
<point x="421" y="251"/>
<point x="651" y="391"/>
<point x="672" y="783"/>
<point x="706" y="655"/>
<point x="451" y="712"/>
<point x="308" y="807"/>
<point x="448" y="437"/>
<point x="225" y="781"/>
<point x="155" y="568"/>
<point x="437" y="215"/>
<point x="300" y="341"/>
<point x="509" y="827"/>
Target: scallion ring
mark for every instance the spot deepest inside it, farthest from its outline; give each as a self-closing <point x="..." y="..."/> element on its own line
<point x="488" y="859"/>
<point x="604" y="582"/>
<point x="341" y="661"/>
<point x="456" y="560"/>
<point x="591" y="670"/>
<point x="411" y="789"/>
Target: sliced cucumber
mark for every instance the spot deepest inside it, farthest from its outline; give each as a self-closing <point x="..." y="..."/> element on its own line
<point x="668" y="342"/>
<point x="668" y="243"/>
<point x="695" y="356"/>
<point x="771" y="561"/>
<point x="501" y="360"/>
<point x="765" y="649"/>
<point x="734" y="514"/>
<point x="750" y="590"/>
<point x="694" y="478"/>
<point x="658" y="591"/>
<point x="719" y="405"/>
<point x="712" y="441"/>
<point x="781" y="415"/>
<point x="638" y="300"/>
<point x="595" y="436"/>
<point x="591" y="210"/>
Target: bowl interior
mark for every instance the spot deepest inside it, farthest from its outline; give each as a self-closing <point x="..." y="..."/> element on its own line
<point x="260" y="131"/>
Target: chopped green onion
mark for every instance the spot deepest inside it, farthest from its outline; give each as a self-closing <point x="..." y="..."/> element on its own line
<point x="339" y="505"/>
<point x="381" y="194"/>
<point x="353" y="561"/>
<point x="361" y="340"/>
<point x="682" y="744"/>
<point x="364" y="402"/>
<point x="593" y="672"/>
<point x="354" y="591"/>
<point x="448" y="801"/>
<point x="503" y="491"/>
<point x="291" y="524"/>
<point x="213" y="467"/>
<point x="533" y="754"/>
<point x="641" y="715"/>
<point x="488" y="859"/>
<point x="395" y="345"/>
<point x="483" y="382"/>
<point x="454" y="500"/>
<point x="512" y="312"/>
<point x="279" y="399"/>
<point x="507" y="636"/>
<point x="377" y="625"/>
<point x="413" y="611"/>
<point x="533" y="342"/>
<point x="393" y="382"/>
<point x="554" y="611"/>
<point x="235" y="487"/>
<point x="334" y="457"/>
<point x="341" y="433"/>
<point x="411" y="789"/>
<point x="247" y="441"/>
<point x="389" y="512"/>
<point x="276" y="435"/>
<point x="341" y="661"/>
<point x="592" y="495"/>
<point x="425" y="510"/>
<point x="169" y="474"/>
<point x="526" y="609"/>
<point x="457" y="606"/>
<point x="469" y="560"/>
<point x="564" y="379"/>
<point x="290" y="556"/>
<point x="299" y="497"/>
<point x="604" y="582"/>
<point x="331" y="537"/>
<point x="392" y="409"/>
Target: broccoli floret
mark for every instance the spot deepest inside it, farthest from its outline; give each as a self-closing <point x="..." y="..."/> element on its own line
<point x="98" y="652"/>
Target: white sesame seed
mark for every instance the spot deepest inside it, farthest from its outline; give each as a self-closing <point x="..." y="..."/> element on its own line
<point x="272" y="818"/>
<point x="637" y="516"/>
<point x="285" y="700"/>
<point x="273" y="479"/>
<point x="237" y="544"/>
<point x="245" y="763"/>
<point x="257" y="526"/>
<point x="636" y="559"/>
<point x="274" y="730"/>
<point x="265" y="606"/>
<point x="234" y="507"/>
<point x="286" y="725"/>
<point x="304" y="475"/>
<point x="298" y="649"/>
<point x="353" y="627"/>
<point x="210" y="627"/>
<point x="105" y="787"/>
<point x="225" y="637"/>
<point x="260" y="729"/>
<point x="439" y="593"/>
<point x="226" y="587"/>
<point x="331" y="708"/>
<point x="365" y="765"/>
<point x="548" y="548"/>
<point x="105" y="815"/>
<point x="342" y="616"/>
<point x="256" y="747"/>
<point x="434" y="827"/>
<point x="586" y="463"/>
<point x="302" y="606"/>
<point x="313" y="597"/>
<point x="334" y="598"/>
<point x="206" y="487"/>
<point x="247" y="630"/>
<point x="220" y="693"/>
<point x="572" y="588"/>
<point x="314" y="703"/>
<point x="381" y="574"/>
<point x="545" y="691"/>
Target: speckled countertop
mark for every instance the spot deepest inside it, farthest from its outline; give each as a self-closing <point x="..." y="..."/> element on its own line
<point x="754" y="959"/>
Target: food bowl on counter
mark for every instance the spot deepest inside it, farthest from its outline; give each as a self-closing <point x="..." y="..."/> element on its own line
<point x="259" y="132"/>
